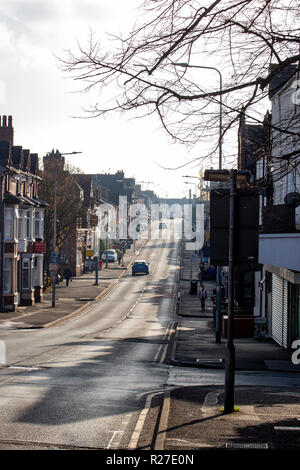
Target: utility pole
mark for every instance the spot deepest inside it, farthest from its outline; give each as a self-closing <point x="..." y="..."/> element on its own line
<point x="96" y="270"/>
<point x="53" y="273"/>
<point x="230" y="349"/>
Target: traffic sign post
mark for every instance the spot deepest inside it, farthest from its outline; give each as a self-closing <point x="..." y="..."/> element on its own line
<point x="54" y="257"/>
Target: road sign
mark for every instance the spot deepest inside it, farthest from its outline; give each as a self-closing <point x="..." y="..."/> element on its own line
<point x="53" y="267"/>
<point x="54" y="257"/>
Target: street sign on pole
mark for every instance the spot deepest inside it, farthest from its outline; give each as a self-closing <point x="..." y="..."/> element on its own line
<point x="54" y="257"/>
<point x="53" y="267"/>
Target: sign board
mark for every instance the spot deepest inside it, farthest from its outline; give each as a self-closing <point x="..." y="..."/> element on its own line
<point x="39" y="247"/>
<point x="246" y="227"/>
<point x="89" y="253"/>
<point x="53" y="267"/>
<point x="54" y="257"/>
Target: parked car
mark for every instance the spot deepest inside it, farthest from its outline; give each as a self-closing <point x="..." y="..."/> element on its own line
<point x="110" y="256"/>
<point x="140" y="266"/>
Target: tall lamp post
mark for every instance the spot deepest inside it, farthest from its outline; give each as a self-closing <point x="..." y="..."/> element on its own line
<point x="195" y="185"/>
<point x="231" y="176"/>
<point x="54" y="228"/>
<point x="218" y="273"/>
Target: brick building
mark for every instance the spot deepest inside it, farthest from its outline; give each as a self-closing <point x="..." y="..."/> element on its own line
<point x="21" y="223"/>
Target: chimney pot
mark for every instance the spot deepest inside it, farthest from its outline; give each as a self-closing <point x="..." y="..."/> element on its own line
<point x="4" y="121"/>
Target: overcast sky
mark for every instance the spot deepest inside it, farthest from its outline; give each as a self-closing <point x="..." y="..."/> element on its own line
<point x="42" y="101"/>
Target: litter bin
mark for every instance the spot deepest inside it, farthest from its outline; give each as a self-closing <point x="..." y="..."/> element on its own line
<point x="193" y="290"/>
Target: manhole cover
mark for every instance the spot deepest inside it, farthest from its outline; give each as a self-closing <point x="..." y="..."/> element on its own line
<point x="242" y="445"/>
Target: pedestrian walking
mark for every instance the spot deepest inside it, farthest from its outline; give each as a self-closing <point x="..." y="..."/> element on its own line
<point x="119" y="256"/>
<point x="202" y="296"/>
<point x="67" y="275"/>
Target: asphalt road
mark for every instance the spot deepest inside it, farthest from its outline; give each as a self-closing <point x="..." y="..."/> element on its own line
<point x="89" y="382"/>
<point x="85" y="383"/>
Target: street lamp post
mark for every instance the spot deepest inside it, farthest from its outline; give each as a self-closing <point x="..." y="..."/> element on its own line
<point x="187" y="182"/>
<point x="231" y="176"/>
<point x="218" y="273"/>
<point x="230" y="350"/>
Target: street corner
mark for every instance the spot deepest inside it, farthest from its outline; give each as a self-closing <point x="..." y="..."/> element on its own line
<point x="263" y="418"/>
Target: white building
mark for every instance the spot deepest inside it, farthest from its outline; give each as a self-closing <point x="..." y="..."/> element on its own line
<point x="279" y="245"/>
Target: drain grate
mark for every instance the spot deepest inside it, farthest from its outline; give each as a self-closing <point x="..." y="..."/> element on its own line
<point x="246" y="445"/>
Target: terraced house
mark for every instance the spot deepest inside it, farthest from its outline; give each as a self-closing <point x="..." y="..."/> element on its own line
<point x="22" y="223"/>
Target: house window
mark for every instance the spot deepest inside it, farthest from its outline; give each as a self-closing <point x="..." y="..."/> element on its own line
<point x="26" y="273"/>
<point x="35" y="272"/>
<point x="38" y="224"/>
<point x="7" y="269"/>
<point x="8" y="223"/>
<point x="27" y="223"/>
<point x="20" y="231"/>
<point x="23" y="224"/>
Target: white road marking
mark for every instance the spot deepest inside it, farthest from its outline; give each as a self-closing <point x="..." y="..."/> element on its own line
<point x="140" y="423"/>
<point x="113" y="436"/>
<point x="157" y="353"/>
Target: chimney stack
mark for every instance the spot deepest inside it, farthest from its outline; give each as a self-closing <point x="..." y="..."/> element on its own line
<point x="6" y="131"/>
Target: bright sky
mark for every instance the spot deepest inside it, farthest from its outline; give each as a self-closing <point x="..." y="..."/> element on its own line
<point x="41" y="100"/>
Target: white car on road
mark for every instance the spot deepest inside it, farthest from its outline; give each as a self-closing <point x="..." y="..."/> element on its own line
<point x="110" y="256"/>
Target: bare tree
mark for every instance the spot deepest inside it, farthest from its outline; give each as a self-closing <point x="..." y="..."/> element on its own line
<point x="69" y="205"/>
<point x="241" y="38"/>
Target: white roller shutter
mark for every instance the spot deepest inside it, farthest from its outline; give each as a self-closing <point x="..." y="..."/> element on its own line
<point x="279" y="310"/>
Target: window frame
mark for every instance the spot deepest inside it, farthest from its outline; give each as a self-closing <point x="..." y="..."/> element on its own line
<point x="26" y="260"/>
<point x="8" y="277"/>
<point x="38" y="222"/>
<point x="9" y="210"/>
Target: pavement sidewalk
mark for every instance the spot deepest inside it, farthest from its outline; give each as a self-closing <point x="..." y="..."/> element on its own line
<point x="72" y="300"/>
<point x="192" y="417"/>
